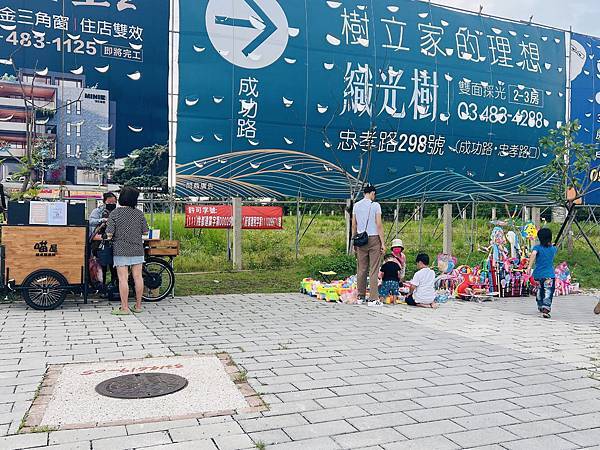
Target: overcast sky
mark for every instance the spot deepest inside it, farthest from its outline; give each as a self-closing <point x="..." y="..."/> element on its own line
<point x="582" y="15"/>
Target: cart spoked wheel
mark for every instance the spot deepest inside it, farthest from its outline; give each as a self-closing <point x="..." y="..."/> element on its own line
<point x="44" y="289"/>
<point x="159" y="279"/>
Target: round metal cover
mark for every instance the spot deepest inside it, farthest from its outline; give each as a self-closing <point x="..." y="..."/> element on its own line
<point x="141" y="385"/>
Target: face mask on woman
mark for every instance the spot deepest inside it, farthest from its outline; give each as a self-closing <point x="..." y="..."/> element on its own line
<point x="397" y="251"/>
<point x="111" y="206"/>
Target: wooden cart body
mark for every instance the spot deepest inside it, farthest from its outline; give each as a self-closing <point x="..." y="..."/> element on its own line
<point x="28" y="249"/>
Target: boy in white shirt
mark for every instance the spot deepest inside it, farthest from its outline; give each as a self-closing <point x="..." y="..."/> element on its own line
<point x="422" y="286"/>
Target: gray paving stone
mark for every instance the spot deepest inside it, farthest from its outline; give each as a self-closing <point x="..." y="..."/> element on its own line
<point x="279" y="409"/>
<point x="319" y="429"/>
<point x="583" y="421"/>
<point x="82" y="445"/>
<point x="159" y="426"/>
<point x="428" y="443"/>
<point x="270" y="437"/>
<point x="443" y="400"/>
<point x="24" y="441"/>
<point x="536" y="429"/>
<point x="541" y="443"/>
<point x="367" y="438"/>
<point x="538" y="413"/>
<point x="381" y="421"/>
<point x="208" y="431"/>
<point x="391" y="407"/>
<point x="203" y="444"/>
<point x="358" y="389"/>
<point x="426" y="429"/>
<point x="86" y="434"/>
<point x="484" y="436"/>
<point x="320" y="443"/>
<point x="341" y="413"/>
<point x="490" y="407"/>
<point x="431" y="414"/>
<point x="485" y="421"/>
<point x="134" y="441"/>
<point x="584" y="437"/>
<point x="346" y="400"/>
<point x="582" y="407"/>
<point x="234" y="442"/>
<point x="305" y="395"/>
<point x="271" y="423"/>
<point x="495" y="394"/>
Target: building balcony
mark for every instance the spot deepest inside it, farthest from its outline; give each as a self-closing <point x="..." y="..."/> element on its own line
<point x="20" y="127"/>
<point x="20" y="103"/>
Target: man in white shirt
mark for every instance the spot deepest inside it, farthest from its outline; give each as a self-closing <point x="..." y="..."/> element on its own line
<point x="366" y="216"/>
<point x="422" y="286"/>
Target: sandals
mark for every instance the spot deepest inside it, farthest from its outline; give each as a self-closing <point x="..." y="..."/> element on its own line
<point x="597" y="308"/>
<point x="120" y="312"/>
<point x="135" y="310"/>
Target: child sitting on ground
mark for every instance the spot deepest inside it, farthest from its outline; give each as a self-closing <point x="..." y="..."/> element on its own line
<point x="422" y="286"/>
<point x="389" y="274"/>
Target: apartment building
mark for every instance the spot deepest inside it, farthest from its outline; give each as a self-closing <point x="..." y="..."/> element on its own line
<point x="82" y="119"/>
<point x="13" y="120"/>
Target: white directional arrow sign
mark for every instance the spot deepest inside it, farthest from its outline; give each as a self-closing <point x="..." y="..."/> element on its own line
<point x="248" y="33"/>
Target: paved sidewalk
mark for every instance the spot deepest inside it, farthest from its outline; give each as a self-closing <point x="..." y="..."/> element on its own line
<point x="493" y="375"/>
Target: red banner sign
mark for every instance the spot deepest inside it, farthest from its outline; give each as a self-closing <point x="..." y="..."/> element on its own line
<point x="220" y="216"/>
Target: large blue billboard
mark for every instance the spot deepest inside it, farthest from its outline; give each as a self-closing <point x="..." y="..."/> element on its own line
<point x="313" y="98"/>
<point x="117" y="47"/>
<point x="585" y="100"/>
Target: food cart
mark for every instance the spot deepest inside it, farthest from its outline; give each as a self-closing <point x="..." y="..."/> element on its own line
<point x="44" y="255"/>
<point x="44" y="252"/>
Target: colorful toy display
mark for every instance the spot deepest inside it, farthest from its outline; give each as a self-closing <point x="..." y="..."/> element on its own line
<point x="502" y="273"/>
<point x="336" y="291"/>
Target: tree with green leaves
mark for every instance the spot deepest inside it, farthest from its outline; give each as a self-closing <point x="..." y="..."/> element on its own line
<point x="145" y="167"/>
<point x="571" y="171"/>
<point x="572" y="165"/>
<point x="101" y="161"/>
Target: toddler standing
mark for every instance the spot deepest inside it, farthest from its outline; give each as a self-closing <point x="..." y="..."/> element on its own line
<point x="542" y="257"/>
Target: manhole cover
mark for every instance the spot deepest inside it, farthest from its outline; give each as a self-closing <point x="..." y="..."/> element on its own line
<point x="142" y="385"/>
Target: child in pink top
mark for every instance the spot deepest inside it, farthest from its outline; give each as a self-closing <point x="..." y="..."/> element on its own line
<point x="398" y="252"/>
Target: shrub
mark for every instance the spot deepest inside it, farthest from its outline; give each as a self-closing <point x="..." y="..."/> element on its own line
<point x="343" y="265"/>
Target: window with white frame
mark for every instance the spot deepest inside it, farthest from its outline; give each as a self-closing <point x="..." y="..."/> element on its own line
<point x="68" y="128"/>
<point x="78" y="151"/>
<point x="78" y="107"/>
<point x="69" y="151"/>
<point x="68" y="107"/>
<point x="78" y="129"/>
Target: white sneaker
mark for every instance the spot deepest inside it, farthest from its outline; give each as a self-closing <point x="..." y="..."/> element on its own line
<point x="374" y="303"/>
<point x="360" y="301"/>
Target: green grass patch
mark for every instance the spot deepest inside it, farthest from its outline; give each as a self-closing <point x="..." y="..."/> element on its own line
<point x="272" y="267"/>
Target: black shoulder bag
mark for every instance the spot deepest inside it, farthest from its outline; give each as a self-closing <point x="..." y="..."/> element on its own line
<point x="362" y="239"/>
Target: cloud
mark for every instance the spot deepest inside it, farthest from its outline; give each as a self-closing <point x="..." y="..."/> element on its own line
<point x="580" y="14"/>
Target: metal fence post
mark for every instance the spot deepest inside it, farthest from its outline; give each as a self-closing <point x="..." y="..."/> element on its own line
<point x="237" y="233"/>
<point x="348" y="217"/>
<point x="535" y="216"/>
<point x="297" y="242"/>
<point x="448" y="229"/>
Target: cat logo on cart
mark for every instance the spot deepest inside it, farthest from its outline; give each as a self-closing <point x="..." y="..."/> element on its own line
<point x="42" y="249"/>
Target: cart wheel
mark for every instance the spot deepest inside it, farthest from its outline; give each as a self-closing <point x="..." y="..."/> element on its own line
<point x="44" y="289"/>
<point x="159" y="279"/>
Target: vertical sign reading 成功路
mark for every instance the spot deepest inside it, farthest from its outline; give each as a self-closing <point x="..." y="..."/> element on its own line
<point x="99" y="68"/>
<point x="313" y="98"/>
